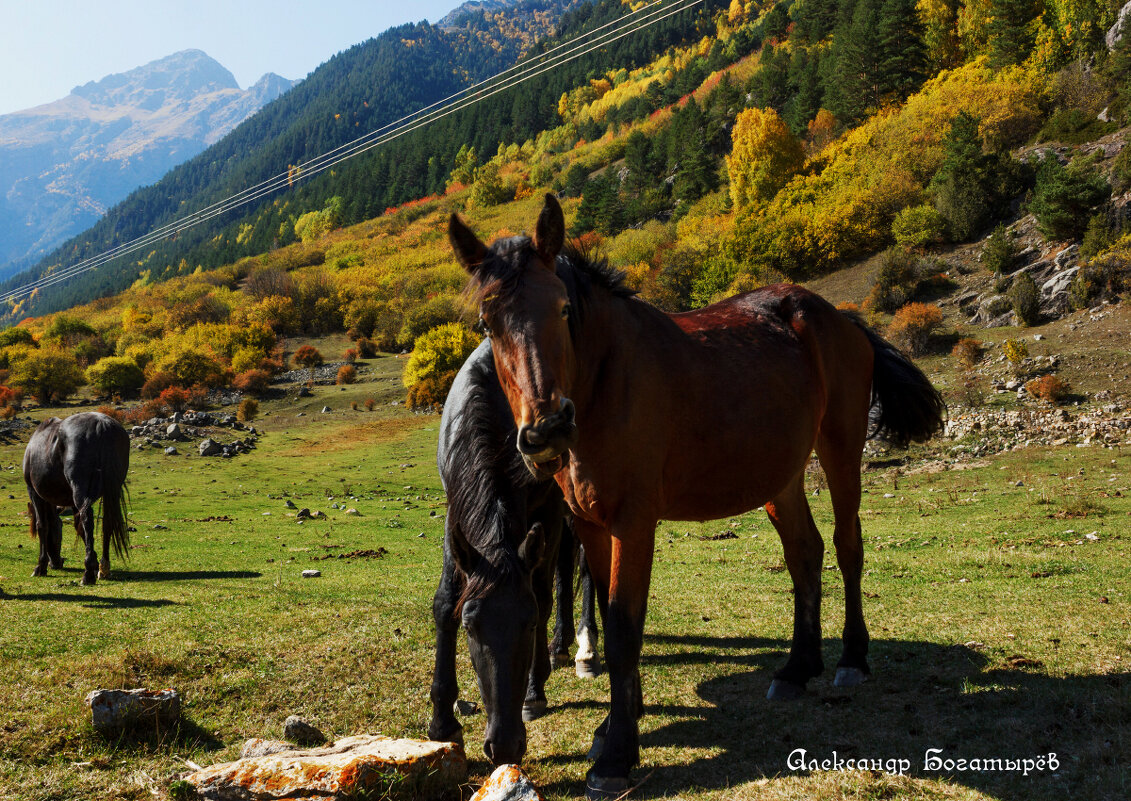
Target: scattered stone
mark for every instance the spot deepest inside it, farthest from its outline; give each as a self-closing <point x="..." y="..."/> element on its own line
<point x="325" y="410"/>
<point x="463" y="707"/>
<point x="171" y="451"/>
<point x="290" y="504"/>
<point x="299" y="731"/>
<point x="369" y="766"/>
<point x="210" y="447"/>
<point x="120" y="711"/>
<point x="304" y="392"/>
<point x="1093" y="536"/>
<point x="353" y="512"/>
<point x="311" y="573"/>
<point x="508" y="783"/>
<point x="889" y="495"/>
<point x="173" y="431"/>
<point x="303" y="514"/>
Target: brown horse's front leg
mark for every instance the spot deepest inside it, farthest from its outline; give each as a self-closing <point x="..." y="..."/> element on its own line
<point x="622" y="567"/>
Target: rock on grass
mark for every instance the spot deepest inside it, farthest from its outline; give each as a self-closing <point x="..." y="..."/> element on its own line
<point x="508" y="783"/>
<point x="366" y="766"/>
<point x="118" y="711"/>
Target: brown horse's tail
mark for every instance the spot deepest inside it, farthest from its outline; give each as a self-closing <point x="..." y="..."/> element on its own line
<point x="906" y="407"/>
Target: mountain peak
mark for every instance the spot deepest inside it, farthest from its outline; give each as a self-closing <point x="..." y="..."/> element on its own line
<point x="181" y="75"/>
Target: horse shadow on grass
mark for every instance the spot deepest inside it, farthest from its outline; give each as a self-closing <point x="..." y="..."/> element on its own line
<point x="183" y="575"/>
<point x="922" y="696"/>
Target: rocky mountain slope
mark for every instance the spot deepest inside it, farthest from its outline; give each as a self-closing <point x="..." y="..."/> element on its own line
<point x="64" y="163"/>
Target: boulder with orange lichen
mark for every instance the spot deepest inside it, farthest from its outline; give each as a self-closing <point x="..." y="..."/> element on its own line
<point x="508" y="783"/>
<point x="361" y="766"/>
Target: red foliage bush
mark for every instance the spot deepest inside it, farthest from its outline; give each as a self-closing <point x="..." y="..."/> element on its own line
<point x="11" y="397"/>
<point x="156" y="384"/>
<point x="110" y="411"/>
<point x="369" y="404"/>
<point x="366" y="348"/>
<point x="174" y="398"/>
<point x="1049" y="388"/>
<point x="145" y="411"/>
<point x="351" y="355"/>
<point x="307" y="356"/>
<point x="967" y="352"/>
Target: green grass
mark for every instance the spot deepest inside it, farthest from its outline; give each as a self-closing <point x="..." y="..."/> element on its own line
<point x="999" y="629"/>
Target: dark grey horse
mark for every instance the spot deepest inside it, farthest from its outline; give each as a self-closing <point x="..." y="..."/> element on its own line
<point x="76" y="462"/>
<point x="502" y="538"/>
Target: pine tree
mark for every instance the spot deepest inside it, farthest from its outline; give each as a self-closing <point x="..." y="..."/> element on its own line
<point x="902" y="63"/>
<point x="1011" y="33"/>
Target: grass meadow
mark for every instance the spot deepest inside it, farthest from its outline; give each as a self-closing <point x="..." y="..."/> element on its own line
<point x="997" y="598"/>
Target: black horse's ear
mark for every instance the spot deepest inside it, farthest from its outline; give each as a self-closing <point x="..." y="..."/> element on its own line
<point x="469" y="250"/>
<point x="533" y="548"/>
<point x="549" y="233"/>
<point x="466" y="557"/>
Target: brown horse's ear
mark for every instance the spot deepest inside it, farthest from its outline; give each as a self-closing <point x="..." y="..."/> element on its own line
<point x="533" y="548"/>
<point x="469" y="250"/>
<point x="549" y="234"/>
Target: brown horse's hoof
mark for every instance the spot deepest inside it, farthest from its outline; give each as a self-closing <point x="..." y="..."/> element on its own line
<point x="588" y="668"/>
<point x="104" y="570"/>
<point x="782" y="690"/>
<point x="532" y="710"/>
<point x="603" y="787"/>
<point x="849" y="677"/>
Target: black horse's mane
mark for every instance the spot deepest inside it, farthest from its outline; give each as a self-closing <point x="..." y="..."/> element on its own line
<point x="485" y="473"/>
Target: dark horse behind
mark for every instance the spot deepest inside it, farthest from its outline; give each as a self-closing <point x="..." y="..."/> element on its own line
<point x="642" y="416"/>
<point x="78" y="462"/>
<point x="502" y="537"/>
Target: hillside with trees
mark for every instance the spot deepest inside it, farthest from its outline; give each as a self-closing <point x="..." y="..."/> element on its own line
<point x="766" y="142"/>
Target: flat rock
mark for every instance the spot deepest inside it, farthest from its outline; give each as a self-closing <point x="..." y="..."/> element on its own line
<point x="299" y="731"/>
<point x="369" y="766"/>
<point x="116" y="711"/>
<point x="257" y="747"/>
<point x="508" y="783"/>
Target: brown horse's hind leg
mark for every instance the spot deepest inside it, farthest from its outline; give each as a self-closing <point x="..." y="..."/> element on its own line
<point x="804" y="552"/>
<point x="840" y="459"/>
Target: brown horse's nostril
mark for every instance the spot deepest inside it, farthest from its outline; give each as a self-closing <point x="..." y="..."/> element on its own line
<point x="531" y="436"/>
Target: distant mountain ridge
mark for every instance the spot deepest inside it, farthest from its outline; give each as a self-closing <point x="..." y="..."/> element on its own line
<point x="63" y="164"/>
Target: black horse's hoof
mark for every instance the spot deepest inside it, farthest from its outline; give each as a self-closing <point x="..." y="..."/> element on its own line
<point x="446" y="735"/>
<point x="39" y="571"/>
<point x="782" y="690"/>
<point x="532" y="710"/>
<point x="559" y="659"/>
<point x="596" y="749"/>
<point x="56" y="565"/>
<point x="89" y="579"/>
<point x="849" y="677"/>
<point x="605" y="787"/>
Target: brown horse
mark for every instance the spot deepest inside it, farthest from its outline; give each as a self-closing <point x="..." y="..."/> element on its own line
<point x="78" y="462"/>
<point x="642" y="415"/>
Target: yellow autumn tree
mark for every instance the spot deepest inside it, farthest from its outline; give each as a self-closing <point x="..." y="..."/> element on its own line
<point x="764" y="156"/>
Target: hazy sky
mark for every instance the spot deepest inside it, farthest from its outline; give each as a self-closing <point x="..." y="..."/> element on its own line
<point x="48" y="47"/>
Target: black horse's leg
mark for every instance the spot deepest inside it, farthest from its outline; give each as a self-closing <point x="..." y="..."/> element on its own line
<point x="84" y="522"/>
<point x="49" y="530"/>
<point x="624" y="599"/>
<point x="563" y="593"/>
<point x="804" y="552"/>
<point x="445" y="689"/>
<point x="543" y="585"/>
<point x="587" y="662"/>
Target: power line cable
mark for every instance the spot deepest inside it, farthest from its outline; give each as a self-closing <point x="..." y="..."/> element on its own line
<point x="624" y="26"/>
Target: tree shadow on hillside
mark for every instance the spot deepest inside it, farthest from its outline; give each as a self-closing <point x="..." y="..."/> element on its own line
<point x="923" y="696"/>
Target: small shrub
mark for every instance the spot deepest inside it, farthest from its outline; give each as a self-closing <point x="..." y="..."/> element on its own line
<point x="248" y="410"/>
<point x="252" y="382"/>
<point x="156" y="384"/>
<point x="11" y="397"/>
<point x="1104" y="277"/>
<point x="430" y="391"/>
<point x="366" y="348"/>
<point x="143" y="412"/>
<point x="8" y="412"/>
<point x="110" y="411"/>
<point x="973" y="391"/>
<point x="1098" y="237"/>
<point x="1026" y="299"/>
<point x="1049" y="388"/>
<point x="351" y="355"/>
<point x="435" y="359"/>
<point x="347" y="374"/>
<point x="174" y="398"/>
<point x="115" y="375"/>
<point x="912" y="326"/>
<point x="967" y="352"/>
<point x="848" y="306"/>
<point x="198" y="397"/>
<point x="1064" y="196"/>
<point x="353" y="405"/>
<point x="897" y="280"/>
<point x="1015" y="352"/>
<point x="369" y="404"/>
<point x="307" y="356"/>
<point x="918" y="226"/>
<point x="1000" y="252"/>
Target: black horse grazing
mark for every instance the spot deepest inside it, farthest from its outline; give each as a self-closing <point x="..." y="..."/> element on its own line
<point x="76" y="462"/>
<point x="502" y="536"/>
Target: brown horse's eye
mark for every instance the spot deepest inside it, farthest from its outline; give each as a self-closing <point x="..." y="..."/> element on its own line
<point x="483" y="328"/>
<point x="567" y="310"/>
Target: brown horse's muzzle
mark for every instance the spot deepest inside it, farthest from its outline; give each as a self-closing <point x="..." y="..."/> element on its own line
<point x="544" y="442"/>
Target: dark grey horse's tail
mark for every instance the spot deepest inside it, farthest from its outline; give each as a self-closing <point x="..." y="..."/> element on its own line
<point x="906" y="407"/>
<point x="115" y="497"/>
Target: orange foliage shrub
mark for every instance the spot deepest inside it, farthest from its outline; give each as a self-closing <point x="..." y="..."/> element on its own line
<point x="431" y="391"/>
<point x="351" y="355"/>
<point x="8" y="412"/>
<point x="174" y="398"/>
<point x="156" y="384"/>
<point x="369" y="404"/>
<point x="347" y="374"/>
<point x="248" y="410"/>
<point x="912" y="326"/>
<point x="1049" y="388"/>
<point x="967" y="352"/>
<point x="11" y="397"/>
<point x="307" y="356"/>
<point x="140" y="414"/>
<point x="252" y="382"/>
<point x="366" y="348"/>
<point x="110" y="411"/>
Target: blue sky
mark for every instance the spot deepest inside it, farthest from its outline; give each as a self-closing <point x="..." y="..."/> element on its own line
<point x="48" y="47"/>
